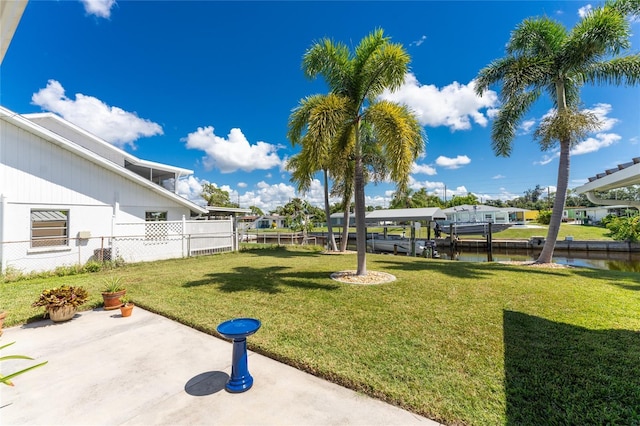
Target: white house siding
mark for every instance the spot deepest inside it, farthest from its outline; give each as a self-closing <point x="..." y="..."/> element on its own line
<point x="39" y="174"/>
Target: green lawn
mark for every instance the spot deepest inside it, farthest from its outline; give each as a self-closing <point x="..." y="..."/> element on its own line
<point x="459" y="342"/>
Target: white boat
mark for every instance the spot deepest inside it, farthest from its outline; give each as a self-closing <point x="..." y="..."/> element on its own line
<point x="472" y="228"/>
<point x="399" y="244"/>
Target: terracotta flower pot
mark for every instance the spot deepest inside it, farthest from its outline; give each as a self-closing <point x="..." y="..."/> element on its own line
<point x="126" y="309"/>
<point x="63" y="313"/>
<point x="112" y="300"/>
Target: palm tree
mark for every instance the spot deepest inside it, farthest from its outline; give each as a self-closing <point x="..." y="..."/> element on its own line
<point x="542" y="56"/>
<point x="315" y="154"/>
<point x="355" y="82"/>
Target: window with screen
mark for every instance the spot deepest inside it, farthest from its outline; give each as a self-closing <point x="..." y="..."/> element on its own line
<point x="49" y="228"/>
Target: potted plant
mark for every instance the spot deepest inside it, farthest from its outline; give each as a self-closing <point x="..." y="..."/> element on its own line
<point x="126" y="307"/>
<point x="61" y="303"/>
<point x="112" y="292"/>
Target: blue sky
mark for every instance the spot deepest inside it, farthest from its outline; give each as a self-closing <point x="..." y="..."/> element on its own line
<point x="209" y="86"/>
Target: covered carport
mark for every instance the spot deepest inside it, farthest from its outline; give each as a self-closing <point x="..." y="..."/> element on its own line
<point x="383" y="218"/>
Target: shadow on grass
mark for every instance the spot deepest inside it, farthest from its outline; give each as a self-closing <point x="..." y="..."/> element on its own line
<point x="281" y="252"/>
<point x="562" y="374"/>
<point x="268" y="280"/>
<point x="622" y="279"/>
<point x="466" y="270"/>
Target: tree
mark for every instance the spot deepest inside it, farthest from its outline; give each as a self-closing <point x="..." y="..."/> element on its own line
<point x="459" y="200"/>
<point x="315" y="154"/>
<point x="215" y="196"/>
<point x="255" y="210"/>
<point x="355" y="82"/>
<point x="299" y="215"/>
<point x="542" y="56"/>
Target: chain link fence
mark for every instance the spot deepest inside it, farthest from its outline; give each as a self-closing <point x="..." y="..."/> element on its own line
<point x="134" y="242"/>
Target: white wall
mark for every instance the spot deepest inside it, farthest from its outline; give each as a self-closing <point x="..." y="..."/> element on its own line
<point x="38" y="174"/>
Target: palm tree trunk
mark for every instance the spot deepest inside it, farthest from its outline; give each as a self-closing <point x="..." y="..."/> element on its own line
<point x="327" y="213"/>
<point x="345" y="220"/>
<point x="558" y="205"/>
<point x="361" y="231"/>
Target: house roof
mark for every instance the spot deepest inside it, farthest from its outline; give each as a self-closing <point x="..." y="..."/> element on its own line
<point x="147" y="169"/>
<point x="64" y="143"/>
<point x="230" y="210"/>
<point x="403" y="215"/>
<point x="10" y="14"/>
<point x="481" y="208"/>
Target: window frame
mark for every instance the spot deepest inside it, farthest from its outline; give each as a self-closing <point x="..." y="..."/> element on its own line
<point x="52" y="236"/>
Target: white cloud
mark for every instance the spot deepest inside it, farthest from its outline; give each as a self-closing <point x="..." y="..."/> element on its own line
<point x="601" y="140"/>
<point x="498" y="177"/>
<point x="601" y="111"/>
<point x="584" y="10"/>
<point x="191" y="188"/>
<point x="268" y="197"/>
<point x="453" y="163"/>
<point x="242" y="185"/>
<point x="419" y="41"/>
<point x="434" y="188"/>
<point x="546" y="159"/>
<point x="423" y="169"/>
<point x="232" y="153"/>
<point x="453" y="106"/>
<point x="112" y="124"/>
<point x="526" y="126"/>
<point x="100" y="8"/>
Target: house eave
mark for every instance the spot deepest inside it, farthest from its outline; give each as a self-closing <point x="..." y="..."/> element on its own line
<point x="25" y="124"/>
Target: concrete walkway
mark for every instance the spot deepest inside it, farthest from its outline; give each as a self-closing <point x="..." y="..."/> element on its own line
<point x="147" y="370"/>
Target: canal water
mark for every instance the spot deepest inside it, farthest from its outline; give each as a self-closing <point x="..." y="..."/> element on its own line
<point x="614" y="261"/>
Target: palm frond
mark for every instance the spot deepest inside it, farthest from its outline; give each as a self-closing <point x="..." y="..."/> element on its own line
<point x="619" y="71"/>
<point x="329" y="59"/>
<point x="537" y="37"/>
<point x="401" y="136"/>
<point x="602" y="31"/>
<point x="506" y="123"/>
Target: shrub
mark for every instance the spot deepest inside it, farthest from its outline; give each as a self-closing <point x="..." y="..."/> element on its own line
<point x="544" y="217"/>
<point x="62" y="296"/>
<point x="624" y="228"/>
<point x="92" y="266"/>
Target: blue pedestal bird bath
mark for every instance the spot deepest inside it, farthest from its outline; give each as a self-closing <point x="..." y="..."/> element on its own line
<point x="238" y="330"/>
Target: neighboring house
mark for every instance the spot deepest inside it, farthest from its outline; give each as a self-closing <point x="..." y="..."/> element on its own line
<point x="337" y="219"/>
<point x="262" y="222"/>
<point x="596" y="214"/>
<point x="67" y="196"/>
<point x="482" y="213"/>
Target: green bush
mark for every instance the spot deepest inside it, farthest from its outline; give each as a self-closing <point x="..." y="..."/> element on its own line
<point x="544" y="217"/>
<point x="624" y="228"/>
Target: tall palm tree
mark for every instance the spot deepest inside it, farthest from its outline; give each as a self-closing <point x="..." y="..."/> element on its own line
<point x="543" y="57"/>
<point x="355" y="82"/>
